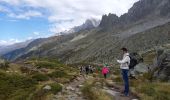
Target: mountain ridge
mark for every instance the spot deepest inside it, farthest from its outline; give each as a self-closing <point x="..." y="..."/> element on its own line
<point x="100" y="45"/>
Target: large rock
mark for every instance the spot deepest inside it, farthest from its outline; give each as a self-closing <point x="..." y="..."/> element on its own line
<point x="141" y="68"/>
<point x="163" y="62"/>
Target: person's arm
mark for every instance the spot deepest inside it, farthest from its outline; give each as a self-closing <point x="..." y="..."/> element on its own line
<point x="125" y="60"/>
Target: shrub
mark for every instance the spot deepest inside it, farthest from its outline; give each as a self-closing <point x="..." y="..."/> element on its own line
<point x="4" y="65"/>
<point x="55" y="88"/>
<point x="118" y="79"/>
<point x="154" y="91"/>
<point x="93" y="93"/>
<point x="58" y="74"/>
<point x="15" y="86"/>
<point x="40" y="77"/>
<point x="45" y="64"/>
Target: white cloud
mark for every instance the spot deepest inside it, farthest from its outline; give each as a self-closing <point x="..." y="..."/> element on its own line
<point x="64" y="14"/>
<point x="30" y="38"/>
<point x="8" y="42"/>
<point x="26" y="15"/>
<point x="36" y="33"/>
<point x="4" y="9"/>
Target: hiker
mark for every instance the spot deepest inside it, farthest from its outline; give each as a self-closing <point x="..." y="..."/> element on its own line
<point x="91" y="69"/>
<point x="81" y="70"/>
<point x="87" y="69"/>
<point x="124" y="66"/>
<point x="105" y="71"/>
<point x="133" y="63"/>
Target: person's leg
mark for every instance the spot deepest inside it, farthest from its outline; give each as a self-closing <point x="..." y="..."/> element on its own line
<point x="122" y="72"/>
<point x="105" y="76"/>
<point x="126" y="81"/>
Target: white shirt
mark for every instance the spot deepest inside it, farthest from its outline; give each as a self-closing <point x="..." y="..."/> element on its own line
<point x="124" y="63"/>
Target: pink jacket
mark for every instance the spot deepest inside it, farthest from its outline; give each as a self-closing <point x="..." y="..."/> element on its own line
<point x="105" y="70"/>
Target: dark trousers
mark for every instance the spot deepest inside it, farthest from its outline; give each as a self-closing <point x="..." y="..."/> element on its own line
<point x="126" y="81"/>
<point x="105" y="76"/>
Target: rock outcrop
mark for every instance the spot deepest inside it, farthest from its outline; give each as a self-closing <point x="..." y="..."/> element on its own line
<point x="163" y="62"/>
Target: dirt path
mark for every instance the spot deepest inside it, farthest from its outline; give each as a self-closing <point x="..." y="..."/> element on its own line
<point x="118" y="95"/>
<point x="72" y="90"/>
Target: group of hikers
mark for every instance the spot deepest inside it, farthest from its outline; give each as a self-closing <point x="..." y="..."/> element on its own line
<point x="87" y="69"/>
<point x="127" y="64"/>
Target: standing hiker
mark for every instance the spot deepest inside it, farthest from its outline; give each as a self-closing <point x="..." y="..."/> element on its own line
<point x="124" y="66"/>
<point x="87" y="69"/>
<point x="105" y="71"/>
<point x="81" y="69"/>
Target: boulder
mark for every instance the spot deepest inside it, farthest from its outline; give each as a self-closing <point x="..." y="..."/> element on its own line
<point x="163" y="62"/>
<point x="70" y="88"/>
<point x="80" y="86"/>
<point x="47" y="87"/>
<point x="141" y="68"/>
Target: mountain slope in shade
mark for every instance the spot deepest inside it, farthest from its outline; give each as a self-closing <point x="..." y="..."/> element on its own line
<point x="9" y="48"/>
<point x="143" y="11"/>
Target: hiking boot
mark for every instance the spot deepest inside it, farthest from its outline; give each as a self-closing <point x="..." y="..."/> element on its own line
<point x="124" y="95"/>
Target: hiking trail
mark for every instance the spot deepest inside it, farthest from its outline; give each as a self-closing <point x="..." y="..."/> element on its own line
<point x="72" y="91"/>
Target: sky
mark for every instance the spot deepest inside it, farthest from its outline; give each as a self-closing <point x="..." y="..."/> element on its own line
<point x="22" y="20"/>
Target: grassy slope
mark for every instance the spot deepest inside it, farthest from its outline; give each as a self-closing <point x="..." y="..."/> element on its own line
<point x="16" y="85"/>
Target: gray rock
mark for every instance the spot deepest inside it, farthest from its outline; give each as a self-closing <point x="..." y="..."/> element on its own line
<point x="47" y="87"/>
<point x="163" y="62"/>
<point x="79" y="93"/>
<point x="80" y="86"/>
<point x="70" y="88"/>
<point x="141" y="68"/>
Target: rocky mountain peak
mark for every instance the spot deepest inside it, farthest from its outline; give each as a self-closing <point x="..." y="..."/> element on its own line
<point x="109" y="20"/>
<point x="87" y="25"/>
<point x="142" y="9"/>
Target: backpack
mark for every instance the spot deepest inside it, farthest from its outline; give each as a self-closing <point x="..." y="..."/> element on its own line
<point x="133" y="62"/>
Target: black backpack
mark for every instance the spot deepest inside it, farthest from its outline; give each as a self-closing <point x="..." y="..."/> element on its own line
<point x="133" y="62"/>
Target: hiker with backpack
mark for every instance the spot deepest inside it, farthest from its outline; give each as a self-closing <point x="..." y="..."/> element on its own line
<point x="87" y="69"/>
<point x="124" y="66"/>
<point x="105" y="71"/>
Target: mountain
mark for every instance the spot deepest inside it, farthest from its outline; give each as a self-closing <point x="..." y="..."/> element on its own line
<point x="9" y="48"/>
<point x="19" y="51"/>
<point x="145" y="26"/>
<point x="148" y="12"/>
<point x="88" y="25"/>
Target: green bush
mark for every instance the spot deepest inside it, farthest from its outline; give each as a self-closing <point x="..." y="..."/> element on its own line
<point x="4" y="65"/>
<point x="40" y="77"/>
<point x="154" y="91"/>
<point x="58" y="74"/>
<point x="55" y="88"/>
<point x="45" y="64"/>
<point x="148" y="89"/>
<point x="94" y="93"/>
<point x="162" y="95"/>
<point x="15" y="86"/>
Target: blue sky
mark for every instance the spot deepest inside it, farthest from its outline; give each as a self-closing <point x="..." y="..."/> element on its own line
<point x="23" y="29"/>
<point x="21" y="20"/>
